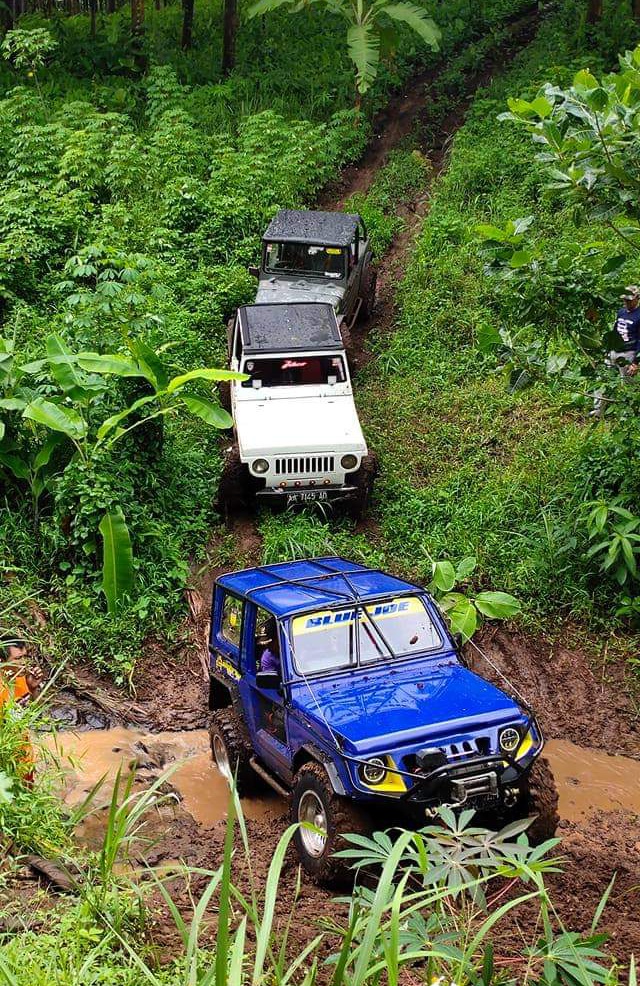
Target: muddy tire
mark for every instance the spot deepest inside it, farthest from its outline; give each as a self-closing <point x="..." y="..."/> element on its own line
<point x="542" y="801"/>
<point x="349" y="345"/>
<point x="363" y="479"/>
<point x="230" y="750"/>
<point x="235" y="490"/>
<point x="314" y="800"/>
<point x="224" y="393"/>
<point x="368" y="286"/>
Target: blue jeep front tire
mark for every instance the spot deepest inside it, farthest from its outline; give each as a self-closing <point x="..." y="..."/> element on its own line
<point x="313" y="800"/>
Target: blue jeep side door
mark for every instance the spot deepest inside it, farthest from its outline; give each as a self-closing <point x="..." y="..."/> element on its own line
<point x="267" y="709"/>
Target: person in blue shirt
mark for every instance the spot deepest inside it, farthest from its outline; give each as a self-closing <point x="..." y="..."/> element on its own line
<point x="269" y="659"/>
<point x="627" y="329"/>
<point x="626" y="356"/>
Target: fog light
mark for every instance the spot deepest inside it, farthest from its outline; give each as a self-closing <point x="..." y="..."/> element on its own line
<point x="509" y="740"/>
<point x="349" y="462"/>
<point x="282" y="486"/>
<point x="297" y="483"/>
<point x="260" y="465"/>
<point x="312" y="482"/>
<point x="327" y="482"/>
<point x="374" y="771"/>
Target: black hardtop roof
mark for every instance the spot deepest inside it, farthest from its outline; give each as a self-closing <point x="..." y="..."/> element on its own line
<point x="289" y="327"/>
<point x="323" y="228"/>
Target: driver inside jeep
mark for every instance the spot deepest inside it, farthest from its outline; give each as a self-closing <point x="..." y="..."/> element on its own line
<point x="269" y="658"/>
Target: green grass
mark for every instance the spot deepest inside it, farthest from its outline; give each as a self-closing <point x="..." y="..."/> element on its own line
<point x="467" y="466"/>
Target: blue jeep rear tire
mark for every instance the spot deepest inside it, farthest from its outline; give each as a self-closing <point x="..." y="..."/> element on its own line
<point x="314" y="800"/>
<point x="228" y="740"/>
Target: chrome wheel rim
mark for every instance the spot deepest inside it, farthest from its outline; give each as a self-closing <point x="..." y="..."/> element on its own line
<point x="222" y="758"/>
<point x="311" y="810"/>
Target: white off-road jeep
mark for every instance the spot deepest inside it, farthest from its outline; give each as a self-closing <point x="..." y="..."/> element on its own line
<point x="297" y="434"/>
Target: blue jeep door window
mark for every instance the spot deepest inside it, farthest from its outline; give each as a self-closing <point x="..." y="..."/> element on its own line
<point x="404" y="625"/>
<point x="231" y="624"/>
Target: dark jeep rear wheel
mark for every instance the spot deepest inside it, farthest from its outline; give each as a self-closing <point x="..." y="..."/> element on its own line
<point x="363" y="479"/>
<point x="230" y="750"/>
<point x="368" y="286"/>
<point x="314" y="800"/>
<point x="349" y="345"/>
<point x="541" y="799"/>
<point x="235" y="490"/>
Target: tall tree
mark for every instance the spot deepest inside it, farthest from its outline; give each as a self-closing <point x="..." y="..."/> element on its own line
<point x="137" y="18"/>
<point x="229" y="34"/>
<point x="368" y="22"/>
<point x="594" y="11"/>
<point x="187" y="22"/>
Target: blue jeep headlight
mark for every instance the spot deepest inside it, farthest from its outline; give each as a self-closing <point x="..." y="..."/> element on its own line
<point x="509" y="739"/>
<point x="374" y="771"/>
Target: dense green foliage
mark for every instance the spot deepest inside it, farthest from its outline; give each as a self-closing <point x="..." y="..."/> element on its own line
<point x="129" y="208"/>
<point x="471" y="466"/>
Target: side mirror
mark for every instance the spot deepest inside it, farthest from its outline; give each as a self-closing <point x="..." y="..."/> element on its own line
<point x="256" y="383"/>
<point x="253" y="270"/>
<point x="269" y="680"/>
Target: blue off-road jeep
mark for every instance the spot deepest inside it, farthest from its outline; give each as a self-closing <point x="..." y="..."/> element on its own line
<point x="342" y="688"/>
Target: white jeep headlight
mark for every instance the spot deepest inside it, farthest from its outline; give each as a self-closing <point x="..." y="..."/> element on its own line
<point x="349" y="461"/>
<point x="374" y="771"/>
<point x="509" y="739"/>
<point x="260" y="465"/>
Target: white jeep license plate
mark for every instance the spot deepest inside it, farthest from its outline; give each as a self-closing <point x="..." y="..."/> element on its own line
<point x="306" y="496"/>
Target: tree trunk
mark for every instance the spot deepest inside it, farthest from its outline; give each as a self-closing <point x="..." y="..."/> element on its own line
<point x="187" y="23"/>
<point x="111" y="6"/>
<point x="230" y="29"/>
<point x="93" y="4"/>
<point x="137" y="18"/>
<point x="594" y="11"/>
<point x="636" y="9"/>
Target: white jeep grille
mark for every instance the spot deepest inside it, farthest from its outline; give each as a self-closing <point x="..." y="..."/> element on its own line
<point x="305" y="465"/>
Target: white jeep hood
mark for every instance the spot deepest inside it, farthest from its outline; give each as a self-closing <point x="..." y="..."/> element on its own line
<point x="281" y="289"/>
<point x="298" y="425"/>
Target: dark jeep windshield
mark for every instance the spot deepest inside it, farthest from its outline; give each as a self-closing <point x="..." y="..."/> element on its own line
<point x="294" y="371"/>
<point x="343" y="638"/>
<point x="304" y="258"/>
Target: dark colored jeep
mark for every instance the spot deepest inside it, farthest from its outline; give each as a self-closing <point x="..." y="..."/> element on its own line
<point x="319" y="256"/>
<point x="343" y="689"/>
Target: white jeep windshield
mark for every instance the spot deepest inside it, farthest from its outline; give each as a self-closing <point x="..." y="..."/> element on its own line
<point x="330" y="640"/>
<point x="305" y="258"/>
<point x="294" y="371"/>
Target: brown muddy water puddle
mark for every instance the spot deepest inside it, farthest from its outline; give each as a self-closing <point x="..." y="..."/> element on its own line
<point x="588" y="781"/>
<point x="87" y="757"/>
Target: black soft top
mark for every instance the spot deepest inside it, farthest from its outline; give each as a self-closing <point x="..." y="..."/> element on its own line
<point x="322" y="228"/>
<point x="288" y="328"/>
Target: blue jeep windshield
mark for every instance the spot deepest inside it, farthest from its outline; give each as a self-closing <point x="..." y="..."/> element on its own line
<point x="332" y="640"/>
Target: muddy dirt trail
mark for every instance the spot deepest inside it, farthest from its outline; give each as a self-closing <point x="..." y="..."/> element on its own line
<point x="583" y="705"/>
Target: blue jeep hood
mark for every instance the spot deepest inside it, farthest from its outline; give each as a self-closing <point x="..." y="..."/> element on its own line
<point x="414" y="702"/>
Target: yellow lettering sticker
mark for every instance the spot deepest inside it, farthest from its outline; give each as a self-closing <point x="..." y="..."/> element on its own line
<point x="333" y="251"/>
<point x="329" y="619"/>
<point x="233" y="619"/>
